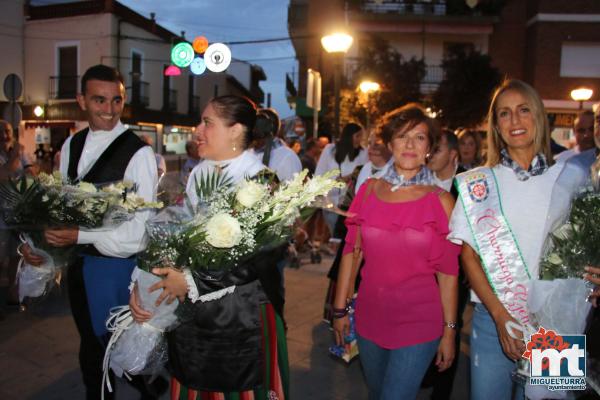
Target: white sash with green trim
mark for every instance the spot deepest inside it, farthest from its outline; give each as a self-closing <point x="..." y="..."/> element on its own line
<point x="496" y="244"/>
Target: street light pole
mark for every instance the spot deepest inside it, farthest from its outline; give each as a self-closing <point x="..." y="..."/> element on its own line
<point x="369" y="88"/>
<point x="337" y="78"/>
<point x="337" y="44"/>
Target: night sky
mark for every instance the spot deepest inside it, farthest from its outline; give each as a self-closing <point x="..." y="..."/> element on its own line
<point x="226" y="21"/>
<point x="234" y="20"/>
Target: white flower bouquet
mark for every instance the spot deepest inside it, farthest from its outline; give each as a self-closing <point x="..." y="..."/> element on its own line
<point x="29" y="205"/>
<point x="230" y="225"/>
<point x="559" y="301"/>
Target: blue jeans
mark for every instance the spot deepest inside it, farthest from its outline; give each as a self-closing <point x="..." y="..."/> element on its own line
<point x="395" y="374"/>
<point x="491" y="370"/>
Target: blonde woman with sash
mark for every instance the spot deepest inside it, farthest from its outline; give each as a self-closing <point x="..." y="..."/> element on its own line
<point x="504" y="213"/>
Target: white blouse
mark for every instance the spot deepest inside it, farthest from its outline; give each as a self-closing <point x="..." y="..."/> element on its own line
<point x="533" y="208"/>
<point x="284" y="161"/>
<point x="327" y="161"/>
<point x="243" y="166"/>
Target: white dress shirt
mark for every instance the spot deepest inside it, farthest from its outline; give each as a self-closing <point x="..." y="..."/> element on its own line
<point x="284" y="161"/>
<point x="565" y="155"/>
<point x="327" y="161"/>
<point x="161" y="164"/>
<point x="130" y="237"/>
<point x="369" y="171"/>
<point x="445" y="184"/>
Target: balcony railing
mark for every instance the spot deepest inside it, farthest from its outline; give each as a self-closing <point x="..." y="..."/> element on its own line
<point x="434" y="74"/>
<point x="139" y="93"/>
<point x="63" y="87"/>
<point x="170" y="100"/>
<point x="426" y="8"/>
<point x="406" y="7"/>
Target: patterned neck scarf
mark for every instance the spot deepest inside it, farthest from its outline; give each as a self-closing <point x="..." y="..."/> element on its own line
<point x="538" y="166"/>
<point x="423" y="177"/>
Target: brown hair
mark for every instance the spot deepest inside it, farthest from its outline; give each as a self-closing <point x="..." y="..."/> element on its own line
<point x="237" y="109"/>
<point x="542" y="128"/>
<point x="463" y="134"/>
<point x="405" y="118"/>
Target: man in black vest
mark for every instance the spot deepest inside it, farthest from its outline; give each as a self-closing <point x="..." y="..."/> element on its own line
<point x="107" y="151"/>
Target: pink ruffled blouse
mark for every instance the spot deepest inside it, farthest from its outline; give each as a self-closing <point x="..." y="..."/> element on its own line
<point x="404" y="244"/>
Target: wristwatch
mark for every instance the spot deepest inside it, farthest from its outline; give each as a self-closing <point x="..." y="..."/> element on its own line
<point x="451" y="325"/>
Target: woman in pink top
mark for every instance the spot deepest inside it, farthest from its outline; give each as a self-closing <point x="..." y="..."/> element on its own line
<point x="406" y="305"/>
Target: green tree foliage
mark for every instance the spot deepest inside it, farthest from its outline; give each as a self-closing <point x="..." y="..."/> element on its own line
<point x="400" y="81"/>
<point x="400" y="78"/>
<point x="465" y="92"/>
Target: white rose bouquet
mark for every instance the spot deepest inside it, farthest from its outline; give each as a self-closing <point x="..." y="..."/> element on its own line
<point x="232" y="222"/>
<point x="230" y="225"/>
<point x="29" y="205"/>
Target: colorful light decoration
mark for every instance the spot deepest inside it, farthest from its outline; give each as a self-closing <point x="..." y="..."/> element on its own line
<point x="172" y="70"/>
<point x="182" y="54"/>
<point x="198" y="66"/>
<point x="200" y="44"/>
<point x="217" y="57"/>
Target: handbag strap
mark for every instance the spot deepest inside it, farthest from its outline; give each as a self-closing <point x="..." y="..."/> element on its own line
<point x="357" y="251"/>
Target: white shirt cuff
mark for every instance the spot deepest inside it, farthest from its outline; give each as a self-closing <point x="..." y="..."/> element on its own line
<point x="86" y="237"/>
<point x="192" y="293"/>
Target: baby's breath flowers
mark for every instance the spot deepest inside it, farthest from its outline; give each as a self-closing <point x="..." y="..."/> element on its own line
<point x="234" y="222"/>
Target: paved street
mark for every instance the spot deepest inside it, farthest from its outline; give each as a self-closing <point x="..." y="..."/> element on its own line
<point x="38" y="349"/>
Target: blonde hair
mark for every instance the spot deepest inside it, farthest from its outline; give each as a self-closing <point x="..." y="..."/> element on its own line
<point x="542" y="128"/>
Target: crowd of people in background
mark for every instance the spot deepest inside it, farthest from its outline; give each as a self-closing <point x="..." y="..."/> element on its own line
<point x="396" y="230"/>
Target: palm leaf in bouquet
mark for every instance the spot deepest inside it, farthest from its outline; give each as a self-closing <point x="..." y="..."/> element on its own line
<point x="208" y="183"/>
<point x="17" y="197"/>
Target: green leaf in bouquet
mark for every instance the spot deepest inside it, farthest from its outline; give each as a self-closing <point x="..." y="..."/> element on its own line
<point x="268" y="177"/>
<point x="208" y="183"/>
<point x="22" y="201"/>
<point x="575" y="244"/>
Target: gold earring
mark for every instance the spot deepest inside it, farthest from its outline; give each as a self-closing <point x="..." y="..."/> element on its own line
<point x="234" y="148"/>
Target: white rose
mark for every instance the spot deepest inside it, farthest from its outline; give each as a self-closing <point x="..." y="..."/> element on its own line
<point x="223" y="231"/>
<point x="250" y="193"/>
